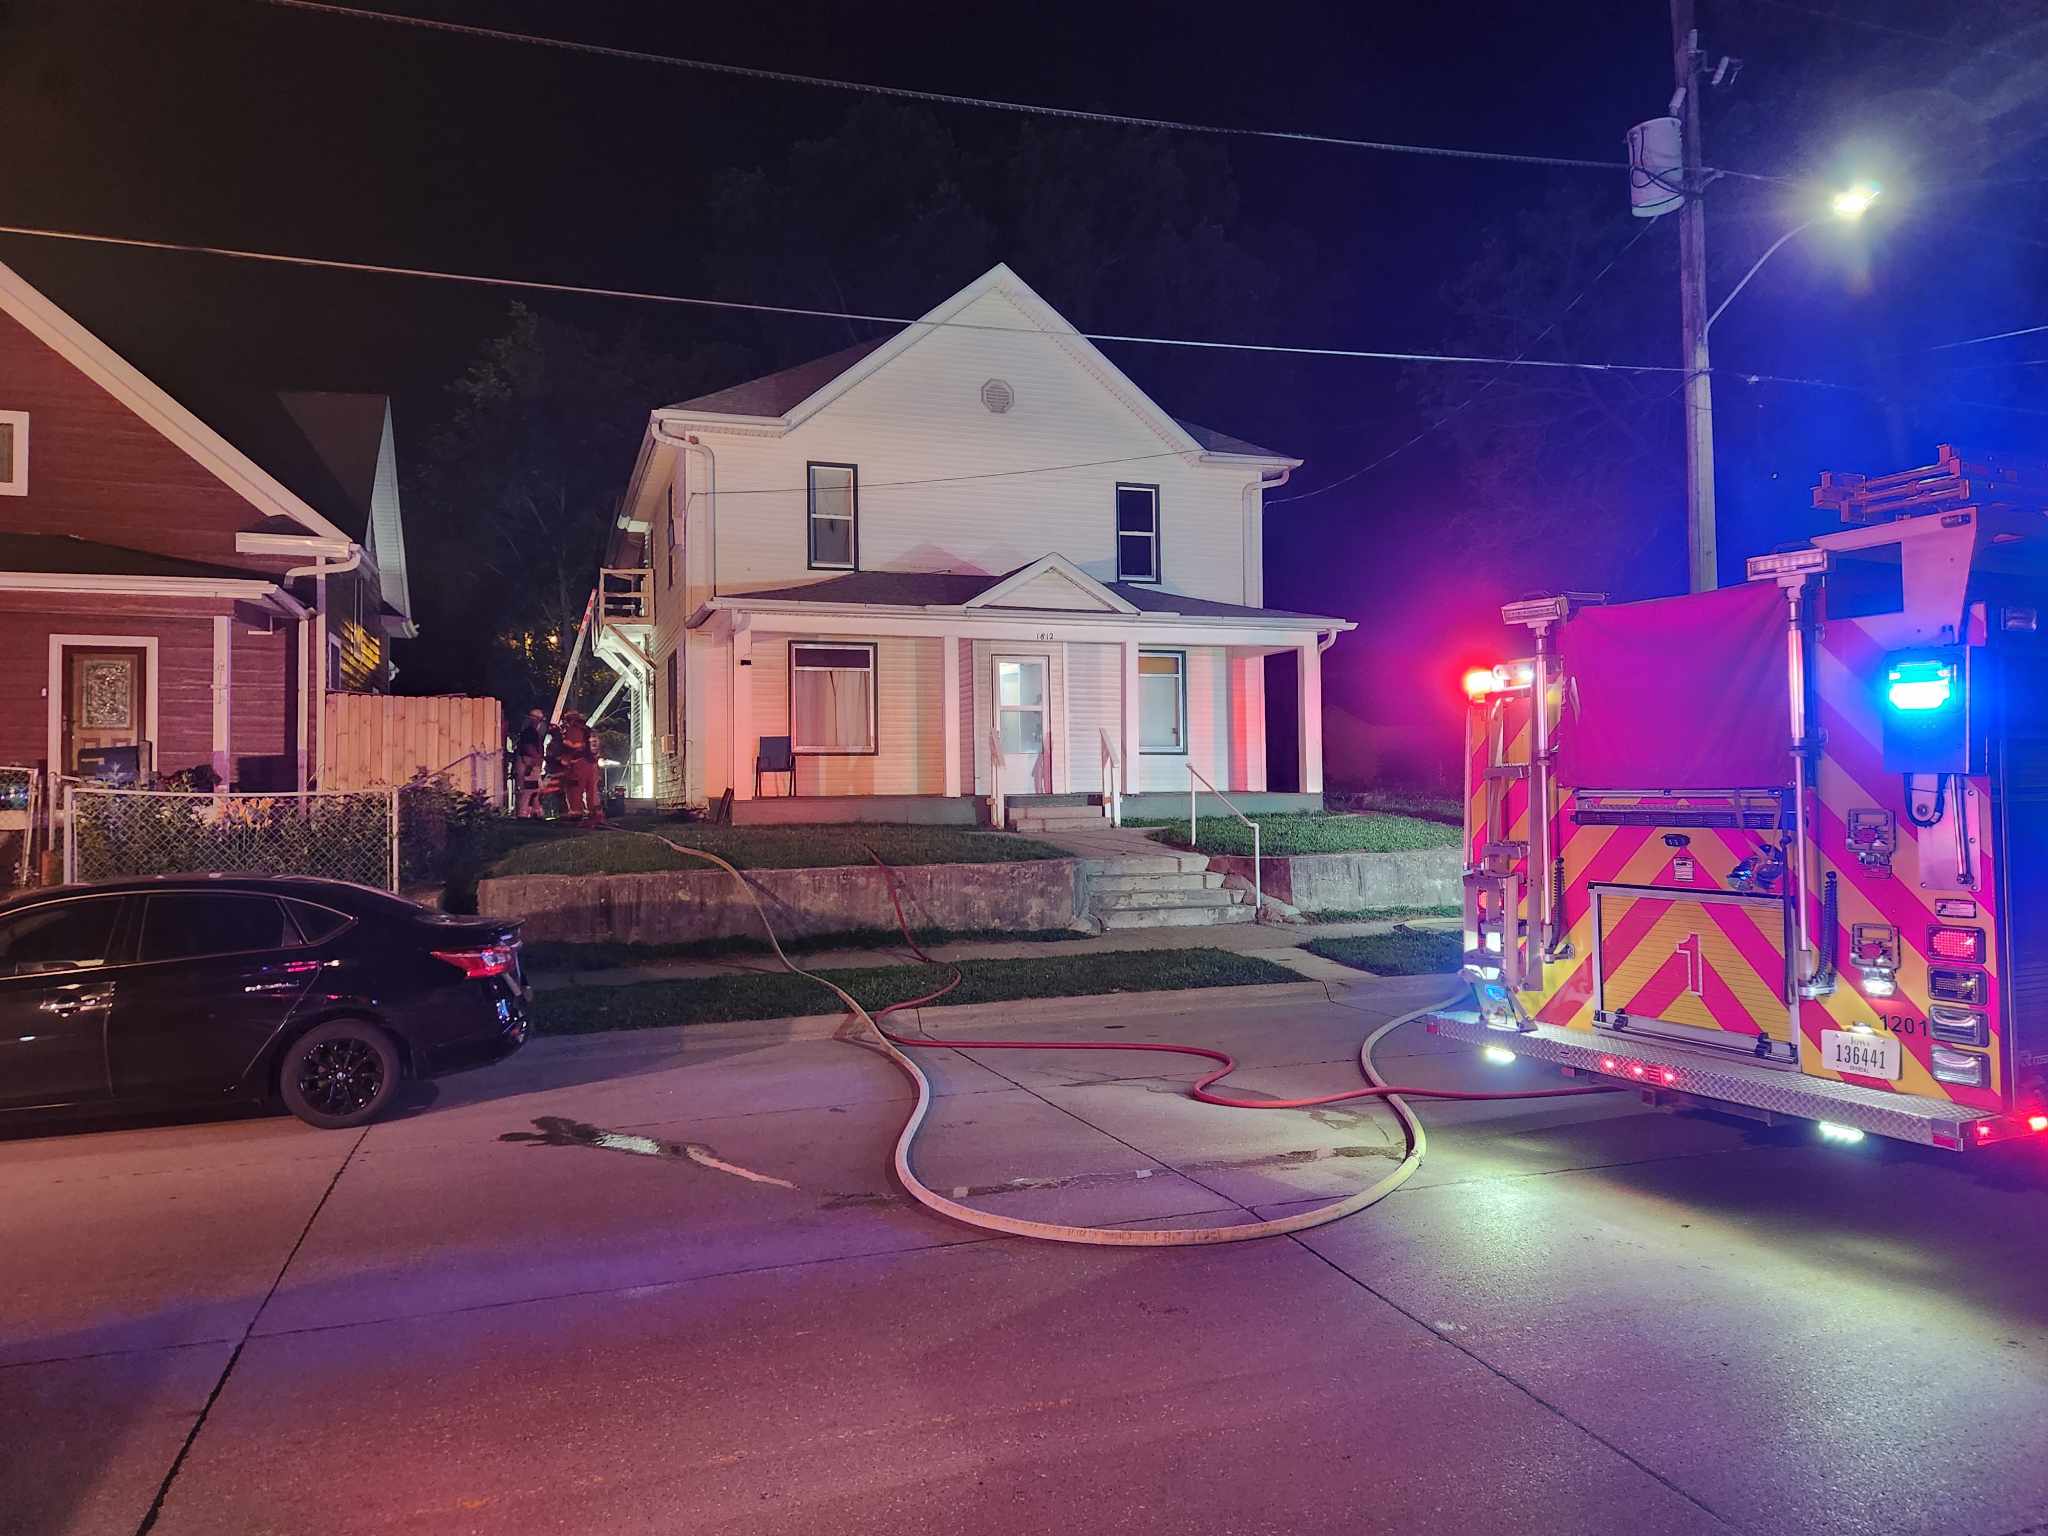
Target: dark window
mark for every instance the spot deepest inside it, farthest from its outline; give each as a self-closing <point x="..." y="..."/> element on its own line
<point x="1866" y="586"/>
<point x="1137" y="533"/>
<point x="834" y="495"/>
<point x="672" y="533"/>
<point x="675" y="706"/>
<point x="207" y="923"/>
<point x="64" y="936"/>
<point x="317" y="924"/>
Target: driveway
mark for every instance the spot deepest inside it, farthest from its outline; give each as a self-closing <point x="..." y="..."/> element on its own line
<point x="662" y="1282"/>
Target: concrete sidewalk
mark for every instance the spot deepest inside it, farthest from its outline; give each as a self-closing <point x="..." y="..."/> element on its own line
<point x="1278" y="942"/>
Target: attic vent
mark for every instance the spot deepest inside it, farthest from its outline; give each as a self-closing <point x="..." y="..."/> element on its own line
<point x="997" y="395"/>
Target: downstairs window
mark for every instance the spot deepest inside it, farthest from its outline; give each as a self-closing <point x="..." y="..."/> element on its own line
<point x="832" y="699"/>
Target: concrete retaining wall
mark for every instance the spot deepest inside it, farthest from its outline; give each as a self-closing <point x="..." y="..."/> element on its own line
<point x="1322" y="882"/>
<point x="679" y="906"/>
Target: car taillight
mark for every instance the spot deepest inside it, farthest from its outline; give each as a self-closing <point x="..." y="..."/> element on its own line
<point x="1964" y="944"/>
<point x="494" y="960"/>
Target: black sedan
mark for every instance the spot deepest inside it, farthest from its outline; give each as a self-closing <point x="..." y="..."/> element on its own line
<point x="216" y="988"/>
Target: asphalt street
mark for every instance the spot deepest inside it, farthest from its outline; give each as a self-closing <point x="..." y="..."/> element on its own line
<point x="663" y="1282"/>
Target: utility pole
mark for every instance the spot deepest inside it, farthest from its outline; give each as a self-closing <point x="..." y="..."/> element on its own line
<point x="1701" y="546"/>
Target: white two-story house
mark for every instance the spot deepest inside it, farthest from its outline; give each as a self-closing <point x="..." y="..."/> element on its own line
<point x="971" y="557"/>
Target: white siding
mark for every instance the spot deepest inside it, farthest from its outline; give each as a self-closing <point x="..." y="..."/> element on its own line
<point x="1050" y="589"/>
<point x="1095" y="689"/>
<point x="910" y="749"/>
<point x="920" y="418"/>
<point x="1208" y="727"/>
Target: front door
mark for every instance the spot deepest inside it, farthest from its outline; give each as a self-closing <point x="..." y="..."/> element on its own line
<point x="104" y="700"/>
<point x="1020" y="695"/>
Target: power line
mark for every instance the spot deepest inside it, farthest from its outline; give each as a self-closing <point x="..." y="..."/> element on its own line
<point x="956" y="99"/>
<point x="583" y="290"/>
<point x="1973" y="341"/>
<point x="1472" y="398"/>
<point x="1879" y="26"/>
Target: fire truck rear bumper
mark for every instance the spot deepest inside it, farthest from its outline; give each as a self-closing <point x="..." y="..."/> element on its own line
<point x="1663" y="1069"/>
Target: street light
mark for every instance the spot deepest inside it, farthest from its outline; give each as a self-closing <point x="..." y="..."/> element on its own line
<point x="1848" y="205"/>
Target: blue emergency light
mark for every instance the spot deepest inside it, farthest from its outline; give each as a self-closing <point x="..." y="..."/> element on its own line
<point x="1919" y="683"/>
<point x="1928" y="725"/>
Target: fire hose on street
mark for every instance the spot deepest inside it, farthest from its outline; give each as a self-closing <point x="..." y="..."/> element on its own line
<point x="865" y="1027"/>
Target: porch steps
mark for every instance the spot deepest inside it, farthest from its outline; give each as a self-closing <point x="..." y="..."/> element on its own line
<point x="1163" y="890"/>
<point x="1054" y="813"/>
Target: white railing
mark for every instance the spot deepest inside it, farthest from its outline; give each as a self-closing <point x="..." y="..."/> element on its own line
<point x="1112" y="782"/>
<point x="995" y="779"/>
<point x="1194" y="777"/>
<point x="626" y="596"/>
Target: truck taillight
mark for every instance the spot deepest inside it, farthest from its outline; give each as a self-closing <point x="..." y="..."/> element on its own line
<point x="1964" y="944"/>
<point x="493" y="960"/>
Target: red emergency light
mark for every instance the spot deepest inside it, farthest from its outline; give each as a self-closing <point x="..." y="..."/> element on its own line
<point x="1479" y="683"/>
<point x="1963" y="944"/>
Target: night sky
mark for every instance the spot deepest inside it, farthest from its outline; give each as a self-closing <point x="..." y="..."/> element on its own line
<point x="231" y="123"/>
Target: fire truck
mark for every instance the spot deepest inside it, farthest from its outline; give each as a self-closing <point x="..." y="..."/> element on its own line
<point x="1781" y="849"/>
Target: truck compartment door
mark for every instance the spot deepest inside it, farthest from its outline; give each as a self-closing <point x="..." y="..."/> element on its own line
<point x="1709" y="968"/>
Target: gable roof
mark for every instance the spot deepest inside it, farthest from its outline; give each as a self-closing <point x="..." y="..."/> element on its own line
<point x="346" y="433"/>
<point x="796" y="393"/>
<point x="247" y="439"/>
<point x="1060" y="570"/>
<point x="775" y="394"/>
<point x="954" y="589"/>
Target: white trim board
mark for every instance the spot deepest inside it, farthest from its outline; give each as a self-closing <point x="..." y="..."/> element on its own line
<point x="126" y="383"/>
<point x="54" y="694"/>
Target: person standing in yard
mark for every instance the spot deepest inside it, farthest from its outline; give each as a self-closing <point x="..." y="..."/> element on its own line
<point x="532" y="762"/>
<point x="578" y="746"/>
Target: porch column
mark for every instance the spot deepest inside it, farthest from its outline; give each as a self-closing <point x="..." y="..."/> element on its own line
<point x="1247" y="720"/>
<point x="949" y="706"/>
<point x="1128" y="749"/>
<point x="223" y="695"/>
<point x="742" y="700"/>
<point x="1309" y="669"/>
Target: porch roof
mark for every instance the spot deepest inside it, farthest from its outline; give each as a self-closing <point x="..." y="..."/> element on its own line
<point x="67" y="554"/>
<point x="951" y="589"/>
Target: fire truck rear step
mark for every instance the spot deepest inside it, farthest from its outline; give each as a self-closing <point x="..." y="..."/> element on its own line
<point x="1676" y="1070"/>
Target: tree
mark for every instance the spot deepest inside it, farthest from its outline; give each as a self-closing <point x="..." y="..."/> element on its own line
<point x="518" y="493"/>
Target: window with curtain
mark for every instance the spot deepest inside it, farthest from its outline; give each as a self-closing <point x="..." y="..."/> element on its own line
<point x="1162" y="701"/>
<point x="1137" y="533"/>
<point x="834" y="494"/>
<point x="832" y="699"/>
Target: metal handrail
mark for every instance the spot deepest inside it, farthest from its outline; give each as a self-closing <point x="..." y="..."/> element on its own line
<point x="1195" y="774"/>
<point x="1112" y="781"/>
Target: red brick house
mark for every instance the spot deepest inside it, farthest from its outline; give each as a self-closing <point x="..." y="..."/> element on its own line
<point x="164" y="586"/>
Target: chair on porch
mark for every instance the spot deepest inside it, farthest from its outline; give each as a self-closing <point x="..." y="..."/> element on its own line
<point x="773" y="755"/>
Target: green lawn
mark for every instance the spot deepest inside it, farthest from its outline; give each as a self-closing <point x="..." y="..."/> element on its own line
<point x="1317" y="832"/>
<point x="1431" y="805"/>
<point x="565" y="850"/>
<point x="777" y="994"/>
<point x="1376" y="914"/>
<point x="1398" y="952"/>
<point x="547" y="955"/>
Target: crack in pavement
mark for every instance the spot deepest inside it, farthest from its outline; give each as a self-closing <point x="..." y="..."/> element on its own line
<point x="156" y="1505"/>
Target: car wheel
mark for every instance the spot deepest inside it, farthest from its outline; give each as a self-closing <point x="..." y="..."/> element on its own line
<point x="339" y="1074"/>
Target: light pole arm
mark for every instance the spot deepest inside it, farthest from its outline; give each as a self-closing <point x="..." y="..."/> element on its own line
<point x="1797" y="229"/>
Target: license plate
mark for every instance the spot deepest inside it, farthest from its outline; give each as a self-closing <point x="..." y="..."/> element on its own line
<point x="1846" y="1050"/>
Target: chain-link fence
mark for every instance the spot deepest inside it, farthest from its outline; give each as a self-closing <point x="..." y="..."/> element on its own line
<point x="345" y="835"/>
<point x="19" y="788"/>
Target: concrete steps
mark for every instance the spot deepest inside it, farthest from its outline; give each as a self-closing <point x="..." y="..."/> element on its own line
<point x="1178" y="880"/>
<point x="1061" y="813"/>
<point x="1174" y="917"/>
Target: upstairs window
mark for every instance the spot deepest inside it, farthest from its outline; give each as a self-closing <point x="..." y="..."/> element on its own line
<point x="832" y="699"/>
<point x="672" y="540"/>
<point x="13" y="453"/>
<point x="834" y="494"/>
<point x="1137" y="533"/>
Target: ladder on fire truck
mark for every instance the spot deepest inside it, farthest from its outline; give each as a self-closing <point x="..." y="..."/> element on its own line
<point x="1951" y="481"/>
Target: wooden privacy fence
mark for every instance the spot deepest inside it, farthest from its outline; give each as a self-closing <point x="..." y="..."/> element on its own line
<point x="374" y="739"/>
